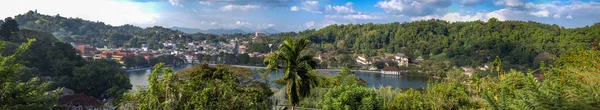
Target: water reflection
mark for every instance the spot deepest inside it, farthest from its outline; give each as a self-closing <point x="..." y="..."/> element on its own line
<point x="375" y="80"/>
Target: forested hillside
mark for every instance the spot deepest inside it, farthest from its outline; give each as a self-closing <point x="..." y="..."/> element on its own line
<point x="99" y="34"/>
<point x="35" y="62"/>
<point x="465" y="43"/>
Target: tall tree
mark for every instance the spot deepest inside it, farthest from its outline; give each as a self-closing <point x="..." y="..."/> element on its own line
<point x="299" y="69"/>
<point x="16" y="95"/>
<point x="99" y="77"/>
<point x="8" y="28"/>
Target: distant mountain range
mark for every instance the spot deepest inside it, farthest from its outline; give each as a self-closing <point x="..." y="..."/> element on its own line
<point x="243" y="30"/>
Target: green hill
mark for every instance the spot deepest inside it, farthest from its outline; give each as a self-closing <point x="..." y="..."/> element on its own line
<point x="464" y="43"/>
<point x="97" y="33"/>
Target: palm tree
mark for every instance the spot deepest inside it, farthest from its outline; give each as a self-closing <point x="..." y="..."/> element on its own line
<point x="299" y="75"/>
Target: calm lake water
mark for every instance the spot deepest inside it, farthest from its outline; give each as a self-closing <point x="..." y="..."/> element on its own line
<point x="376" y="80"/>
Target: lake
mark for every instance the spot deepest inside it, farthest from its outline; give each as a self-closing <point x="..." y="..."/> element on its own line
<point x="375" y="80"/>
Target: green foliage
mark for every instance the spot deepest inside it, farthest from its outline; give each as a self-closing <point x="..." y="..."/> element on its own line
<point x="299" y="73"/>
<point x="570" y="84"/>
<point x="29" y="95"/>
<point x="351" y="97"/>
<point x="471" y="43"/>
<point x="8" y="29"/>
<point x="99" y="77"/>
<point x="380" y="64"/>
<point x="202" y="87"/>
<point x="135" y="61"/>
<point x="18" y="95"/>
<point x="167" y="59"/>
<point x="259" y="47"/>
<point x="430" y="68"/>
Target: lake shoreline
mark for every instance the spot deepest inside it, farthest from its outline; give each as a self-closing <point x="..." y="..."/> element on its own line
<point x="259" y="67"/>
<point x="374" y="78"/>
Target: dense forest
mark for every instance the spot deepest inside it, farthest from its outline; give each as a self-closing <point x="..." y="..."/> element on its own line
<point x="35" y="62"/>
<point x="519" y="44"/>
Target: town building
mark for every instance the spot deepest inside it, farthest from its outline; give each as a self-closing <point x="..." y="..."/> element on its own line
<point x="117" y="55"/>
<point x="86" y="51"/>
<point x="390" y="70"/>
<point x="81" y="102"/>
<point x="402" y="59"/>
<point x="468" y="70"/>
<point x="362" y="59"/>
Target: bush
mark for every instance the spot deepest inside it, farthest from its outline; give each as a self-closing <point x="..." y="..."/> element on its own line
<point x="351" y="97"/>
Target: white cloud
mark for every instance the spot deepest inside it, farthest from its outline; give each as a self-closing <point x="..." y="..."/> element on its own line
<point x="213" y="23"/>
<point x="264" y="26"/>
<point x="454" y="17"/>
<point x="471" y="2"/>
<point x="347" y="9"/>
<point x="294" y="8"/>
<point x="557" y="16"/>
<point x="457" y="17"/>
<point x="510" y="3"/>
<point x="556" y="9"/>
<point x="542" y="13"/>
<point x="309" y="24"/>
<point x="312" y="3"/>
<point x="412" y="8"/>
<point x="500" y="14"/>
<point x="205" y="2"/>
<point x="352" y="17"/>
<point x="241" y="23"/>
<point x="239" y="7"/>
<point x="310" y="6"/>
<point x="175" y="3"/>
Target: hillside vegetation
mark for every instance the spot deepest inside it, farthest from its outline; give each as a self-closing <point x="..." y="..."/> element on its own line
<point x="519" y="43"/>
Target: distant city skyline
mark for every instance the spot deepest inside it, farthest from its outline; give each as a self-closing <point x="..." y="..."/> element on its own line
<point x="297" y="15"/>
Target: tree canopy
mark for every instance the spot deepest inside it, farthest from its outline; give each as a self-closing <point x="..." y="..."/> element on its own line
<point x="23" y="95"/>
<point x="199" y="87"/>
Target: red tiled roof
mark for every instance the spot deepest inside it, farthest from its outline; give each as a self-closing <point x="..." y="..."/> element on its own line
<point x="81" y="99"/>
<point x="390" y="68"/>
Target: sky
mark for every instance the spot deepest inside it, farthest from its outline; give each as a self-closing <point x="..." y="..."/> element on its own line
<point x="297" y="15"/>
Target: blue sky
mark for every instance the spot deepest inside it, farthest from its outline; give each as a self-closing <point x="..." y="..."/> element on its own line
<point x="296" y="15"/>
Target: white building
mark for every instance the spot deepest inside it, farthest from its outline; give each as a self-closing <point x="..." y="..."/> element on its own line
<point x="362" y="60"/>
<point x="390" y="70"/>
<point x="402" y="59"/>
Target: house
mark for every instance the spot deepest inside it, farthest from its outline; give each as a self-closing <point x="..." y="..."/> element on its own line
<point x="483" y="68"/>
<point x="362" y="59"/>
<point x="372" y="68"/>
<point x="242" y="49"/>
<point x="86" y="51"/>
<point x="468" y="70"/>
<point x="257" y="54"/>
<point x="390" y="70"/>
<point x="80" y="102"/>
<point x="418" y="59"/>
<point x="189" y="58"/>
<point x="320" y="57"/>
<point x="402" y="59"/>
<point x="117" y="55"/>
<point x="257" y="35"/>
